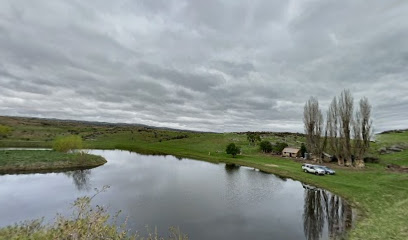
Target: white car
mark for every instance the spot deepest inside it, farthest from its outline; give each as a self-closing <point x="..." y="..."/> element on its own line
<point x="309" y="168"/>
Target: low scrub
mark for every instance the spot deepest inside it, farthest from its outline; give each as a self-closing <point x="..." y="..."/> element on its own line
<point x="66" y="144"/>
<point x="4" y="130"/>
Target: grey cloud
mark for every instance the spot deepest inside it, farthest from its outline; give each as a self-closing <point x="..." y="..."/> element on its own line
<point x="202" y="65"/>
<point x="200" y="82"/>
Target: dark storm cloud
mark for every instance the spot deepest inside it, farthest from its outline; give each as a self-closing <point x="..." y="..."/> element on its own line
<point x="203" y="65"/>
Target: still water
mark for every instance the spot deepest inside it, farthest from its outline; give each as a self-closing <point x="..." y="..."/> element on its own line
<point x="207" y="201"/>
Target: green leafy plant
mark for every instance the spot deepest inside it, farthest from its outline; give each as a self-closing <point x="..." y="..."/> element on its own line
<point x="278" y="147"/>
<point x="253" y="138"/>
<point x="5" y="130"/>
<point x="303" y="150"/>
<point x="66" y="144"/>
<point x="265" y="146"/>
<point x="233" y="149"/>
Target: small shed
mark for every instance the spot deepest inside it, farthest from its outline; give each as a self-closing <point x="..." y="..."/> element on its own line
<point x="291" y="152"/>
<point x="326" y="157"/>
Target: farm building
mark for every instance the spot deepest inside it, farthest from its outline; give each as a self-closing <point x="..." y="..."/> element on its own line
<point x="327" y="157"/>
<point x="291" y="152"/>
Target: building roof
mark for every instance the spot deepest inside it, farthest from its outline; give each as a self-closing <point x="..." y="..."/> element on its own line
<point x="327" y="155"/>
<point x="291" y="150"/>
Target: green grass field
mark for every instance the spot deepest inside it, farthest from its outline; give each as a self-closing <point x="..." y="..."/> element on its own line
<point x="45" y="161"/>
<point x="380" y="196"/>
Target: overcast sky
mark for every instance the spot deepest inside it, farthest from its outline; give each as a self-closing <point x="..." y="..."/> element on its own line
<point x="202" y="65"/>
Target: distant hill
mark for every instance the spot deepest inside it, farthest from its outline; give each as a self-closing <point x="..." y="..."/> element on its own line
<point x="394" y="131"/>
<point x="12" y="120"/>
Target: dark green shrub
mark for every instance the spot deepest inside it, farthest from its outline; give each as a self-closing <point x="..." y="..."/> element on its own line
<point x="265" y="146"/>
<point x="253" y="138"/>
<point x="278" y="147"/>
<point x="303" y="150"/>
<point x="232" y="149"/>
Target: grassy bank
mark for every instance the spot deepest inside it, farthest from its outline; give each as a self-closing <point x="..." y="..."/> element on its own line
<point x="379" y="194"/>
<point x="19" y="161"/>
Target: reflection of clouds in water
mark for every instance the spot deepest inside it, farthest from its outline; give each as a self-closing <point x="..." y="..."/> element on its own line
<point x="320" y="208"/>
<point x="80" y="178"/>
<point x="234" y="202"/>
<point x="249" y="185"/>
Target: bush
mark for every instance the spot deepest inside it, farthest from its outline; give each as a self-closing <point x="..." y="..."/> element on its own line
<point x="371" y="159"/>
<point x="253" y="138"/>
<point x="266" y="146"/>
<point x="232" y="149"/>
<point x="303" y="150"/>
<point x="66" y="144"/>
<point x="4" y="130"/>
<point x="279" y="146"/>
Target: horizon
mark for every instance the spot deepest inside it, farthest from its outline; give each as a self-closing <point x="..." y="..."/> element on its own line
<point x="176" y="129"/>
<point x="217" y="66"/>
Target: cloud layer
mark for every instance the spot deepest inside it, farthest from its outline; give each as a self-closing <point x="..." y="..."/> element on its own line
<point x="202" y="65"/>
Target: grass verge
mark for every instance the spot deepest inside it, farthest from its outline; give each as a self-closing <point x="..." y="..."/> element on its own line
<point x="30" y="161"/>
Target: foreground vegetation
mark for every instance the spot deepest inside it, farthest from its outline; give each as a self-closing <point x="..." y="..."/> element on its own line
<point x="86" y="223"/>
<point x="380" y="195"/>
<point x="45" y="161"/>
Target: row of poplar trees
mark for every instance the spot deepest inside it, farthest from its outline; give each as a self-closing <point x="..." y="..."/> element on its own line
<point x="345" y="133"/>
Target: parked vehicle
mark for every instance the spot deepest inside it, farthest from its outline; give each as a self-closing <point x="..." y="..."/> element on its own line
<point x="309" y="168"/>
<point x="327" y="170"/>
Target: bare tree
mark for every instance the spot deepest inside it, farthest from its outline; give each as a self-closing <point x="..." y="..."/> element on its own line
<point x="309" y="122"/>
<point x="346" y="132"/>
<point x="357" y="138"/>
<point x="333" y="130"/>
<point x="313" y="121"/>
<point x="317" y="135"/>
<point x="345" y="105"/>
<point x="366" y="124"/>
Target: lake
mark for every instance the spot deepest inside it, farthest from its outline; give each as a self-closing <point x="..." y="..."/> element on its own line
<point x="207" y="201"/>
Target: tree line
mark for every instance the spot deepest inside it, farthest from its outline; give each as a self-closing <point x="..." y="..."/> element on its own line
<point x="345" y="133"/>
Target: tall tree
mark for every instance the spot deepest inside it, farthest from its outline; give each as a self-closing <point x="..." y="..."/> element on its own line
<point x="333" y="130"/>
<point x="313" y="122"/>
<point x="366" y="124"/>
<point x="357" y="138"/>
<point x="345" y="105"/>
<point x="303" y="150"/>
<point x="319" y="144"/>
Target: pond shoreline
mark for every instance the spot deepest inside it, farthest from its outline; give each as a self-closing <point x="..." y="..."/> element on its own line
<point x="360" y="211"/>
<point x="45" y="161"/>
<point x="175" y="181"/>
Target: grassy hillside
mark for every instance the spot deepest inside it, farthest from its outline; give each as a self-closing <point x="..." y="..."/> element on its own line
<point x="397" y="139"/>
<point x="380" y="195"/>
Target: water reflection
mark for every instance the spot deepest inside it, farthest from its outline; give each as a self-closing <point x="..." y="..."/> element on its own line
<point x="231" y="168"/>
<point x="320" y="208"/>
<point x="234" y="202"/>
<point x="80" y="178"/>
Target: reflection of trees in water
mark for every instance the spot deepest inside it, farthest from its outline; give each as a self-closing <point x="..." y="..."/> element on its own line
<point x="231" y="168"/>
<point x="313" y="216"/>
<point x="321" y="206"/>
<point x="81" y="179"/>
